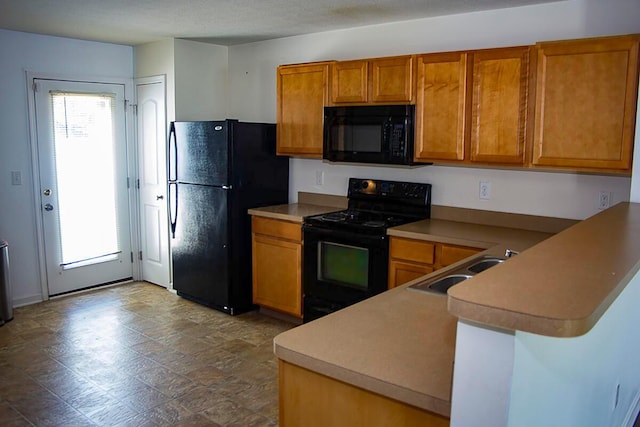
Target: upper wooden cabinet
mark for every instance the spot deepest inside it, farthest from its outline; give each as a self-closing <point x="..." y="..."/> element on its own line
<point x="441" y="94"/>
<point x="378" y="81"/>
<point x="302" y="93"/>
<point x="471" y="107"/>
<point x="349" y="82"/>
<point x="499" y="105"/>
<point x="586" y="104"/>
<point x="566" y="105"/>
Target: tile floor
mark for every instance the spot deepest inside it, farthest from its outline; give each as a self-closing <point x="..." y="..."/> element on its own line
<point x="137" y="355"/>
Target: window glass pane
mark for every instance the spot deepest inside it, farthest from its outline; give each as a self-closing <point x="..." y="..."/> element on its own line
<point x="85" y="172"/>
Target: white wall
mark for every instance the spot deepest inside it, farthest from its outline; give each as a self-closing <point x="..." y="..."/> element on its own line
<point x="635" y="180"/>
<point x="156" y="59"/>
<point x="196" y="75"/>
<point x="201" y="91"/>
<point x="571" y="382"/>
<point x="42" y="54"/>
<point x="253" y="97"/>
<point x="482" y="376"/>
<point x="525" y="380"/>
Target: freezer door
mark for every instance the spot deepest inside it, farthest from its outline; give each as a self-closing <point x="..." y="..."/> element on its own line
<point x="199" y="153"/>
<point x="200" y="246"/>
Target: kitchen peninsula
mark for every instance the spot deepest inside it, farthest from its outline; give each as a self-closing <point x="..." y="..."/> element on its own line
<point x="398" y="348"/>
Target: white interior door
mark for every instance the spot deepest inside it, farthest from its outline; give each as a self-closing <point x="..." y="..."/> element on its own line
<point x="82" y="157"/>
<point x="154" y="227"/>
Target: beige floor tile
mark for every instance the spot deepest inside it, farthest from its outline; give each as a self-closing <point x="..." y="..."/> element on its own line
<point x="137" y="355"/>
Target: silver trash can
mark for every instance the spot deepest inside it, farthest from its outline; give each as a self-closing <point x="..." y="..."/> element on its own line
<point x="6" y="300"/>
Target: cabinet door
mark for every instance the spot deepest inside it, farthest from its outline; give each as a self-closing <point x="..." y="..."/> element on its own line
<point x="586" y="92"/>
<point x="499" y="105"/>
<point x="441" y="106"/>
<point x="277" y="280"/>
<point x="450" y="254"/>
<point x="349" y="82"/>
<point x="311" y="399"/>
<point x="404" y="272"/>
<point x="276" y="228"/>
<point x="417" y="251"/>
<point x="302" y="95"/>
<point x="392" y="80"/>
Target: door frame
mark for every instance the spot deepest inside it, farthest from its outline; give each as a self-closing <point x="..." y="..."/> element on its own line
<point x="132" y="168"/>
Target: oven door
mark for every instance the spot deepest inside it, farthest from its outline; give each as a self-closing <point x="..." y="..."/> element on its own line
<point x="343" y="267"/>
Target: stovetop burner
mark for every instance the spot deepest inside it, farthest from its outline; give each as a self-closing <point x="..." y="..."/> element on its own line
<point x="361" y="218"/>
<point x="376" y="205"/>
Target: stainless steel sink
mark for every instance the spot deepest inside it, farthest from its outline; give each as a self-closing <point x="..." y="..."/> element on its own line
<point x="485" y="264"/>
<point x="440" y="284"/>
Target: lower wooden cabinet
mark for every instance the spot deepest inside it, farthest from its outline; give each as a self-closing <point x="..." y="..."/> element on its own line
<point x="450" y="254"/>
<point x="277" y="261"/>
<point x="311" y="399"/>
<point x="413" y="258"/>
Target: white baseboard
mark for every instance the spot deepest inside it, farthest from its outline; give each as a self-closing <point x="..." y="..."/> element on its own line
<point x="21" y="302"/>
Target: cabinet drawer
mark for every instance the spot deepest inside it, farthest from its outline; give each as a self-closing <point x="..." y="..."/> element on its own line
<point x="451" y="254"/>
<point x="403" y="272"/>
<point x="277" y="228"/>
<point x="412" y="250"/>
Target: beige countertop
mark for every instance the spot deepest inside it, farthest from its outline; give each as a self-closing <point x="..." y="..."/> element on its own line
<point x="496" y="239"/>
<point x="400" y="343"/>
<point x="294" y="212"/>
<point x="562" y="286"/>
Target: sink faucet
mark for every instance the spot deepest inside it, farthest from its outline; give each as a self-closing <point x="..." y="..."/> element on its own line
<point x="509" y="253"/>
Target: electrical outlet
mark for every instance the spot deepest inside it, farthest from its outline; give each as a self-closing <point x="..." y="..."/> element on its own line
<point x="319" y="177"/>
<point x="604" y="199"/>
<point x="485" y="190"/>
<point x="16" y="178"/>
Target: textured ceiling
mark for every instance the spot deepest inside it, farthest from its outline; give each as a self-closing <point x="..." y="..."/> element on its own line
<point x="224" y="22"/>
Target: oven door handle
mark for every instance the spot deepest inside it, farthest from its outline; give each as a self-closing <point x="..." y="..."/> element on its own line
<point x="322" y="233"/>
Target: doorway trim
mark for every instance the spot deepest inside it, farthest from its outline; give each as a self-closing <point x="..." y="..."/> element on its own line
<point x="132" y="168"/>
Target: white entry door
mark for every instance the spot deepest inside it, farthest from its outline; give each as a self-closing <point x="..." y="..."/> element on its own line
<point x="82" y="156"/>
<point x="152" y="167"/>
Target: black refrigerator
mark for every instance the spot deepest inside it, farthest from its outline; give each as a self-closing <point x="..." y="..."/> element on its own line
<point x="217" y="171"/>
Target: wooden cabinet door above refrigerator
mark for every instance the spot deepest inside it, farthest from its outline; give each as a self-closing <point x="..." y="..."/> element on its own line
<point x="303" y="91"/>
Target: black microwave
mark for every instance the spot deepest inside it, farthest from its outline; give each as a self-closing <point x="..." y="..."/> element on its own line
<point x="369" y="134"/>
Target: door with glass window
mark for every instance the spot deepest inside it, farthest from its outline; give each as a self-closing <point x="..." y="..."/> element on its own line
<point x="82" y="159"/>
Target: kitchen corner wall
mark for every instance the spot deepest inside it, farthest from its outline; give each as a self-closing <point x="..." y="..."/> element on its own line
<point x="252" y="73"/>
<point x="196" y="75"/>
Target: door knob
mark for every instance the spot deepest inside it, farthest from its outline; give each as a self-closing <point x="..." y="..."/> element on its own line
<point x="48" y="207"/>
<point x="160" y="197"/>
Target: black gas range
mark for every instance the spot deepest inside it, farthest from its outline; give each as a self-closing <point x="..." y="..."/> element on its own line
<point x="345" y="258"/>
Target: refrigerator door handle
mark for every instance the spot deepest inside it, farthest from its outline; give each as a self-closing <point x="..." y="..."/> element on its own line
<point x="173" y="207"/>
<point x="172" y="158"/>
